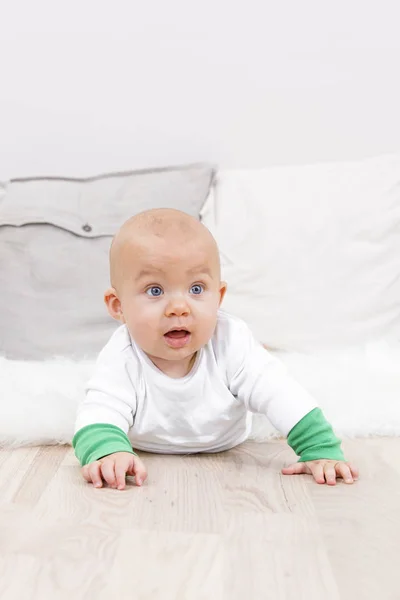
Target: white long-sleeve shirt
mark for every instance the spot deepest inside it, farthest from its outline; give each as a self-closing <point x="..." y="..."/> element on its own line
<point x="208" y="410"/>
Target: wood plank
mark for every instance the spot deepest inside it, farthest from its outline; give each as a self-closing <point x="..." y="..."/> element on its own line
<point x="161" y="565"/>
<point x="14" y="466"/>
<point x="273" y="541"/>
<point x="360" y="525"/>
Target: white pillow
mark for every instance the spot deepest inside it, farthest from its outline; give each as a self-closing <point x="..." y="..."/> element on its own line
<point x="358" y="389"/>
<point x="311" y="254"/>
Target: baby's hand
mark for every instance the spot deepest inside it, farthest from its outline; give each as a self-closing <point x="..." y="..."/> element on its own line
<point x="324" y="471"/>
<point x="113" y="469"/>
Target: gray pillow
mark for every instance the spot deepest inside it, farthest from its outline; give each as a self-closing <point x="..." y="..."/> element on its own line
<point x="55" y="236"/>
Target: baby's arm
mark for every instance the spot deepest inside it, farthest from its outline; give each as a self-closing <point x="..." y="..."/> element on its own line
<point x="104" y="418"/>
<point x="320" y="451"/>
<point x="263" y="383"/>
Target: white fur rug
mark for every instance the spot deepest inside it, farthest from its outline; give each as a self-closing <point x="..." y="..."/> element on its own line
<point x="358" y="389"/>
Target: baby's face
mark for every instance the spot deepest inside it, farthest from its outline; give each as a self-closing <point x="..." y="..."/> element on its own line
<point x="170" y="296"/>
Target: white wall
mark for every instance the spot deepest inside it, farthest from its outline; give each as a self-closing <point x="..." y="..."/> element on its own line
<point x="88" y="86"/>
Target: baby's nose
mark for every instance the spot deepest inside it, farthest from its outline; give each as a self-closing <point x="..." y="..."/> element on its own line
<point x="177" y="306"/>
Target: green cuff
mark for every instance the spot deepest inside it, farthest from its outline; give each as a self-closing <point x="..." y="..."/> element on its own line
<point x="95" y="441"/>
<point x="312" y="438"/>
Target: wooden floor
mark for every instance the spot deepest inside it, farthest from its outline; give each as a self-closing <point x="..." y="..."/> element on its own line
<point x="202" y="527"/>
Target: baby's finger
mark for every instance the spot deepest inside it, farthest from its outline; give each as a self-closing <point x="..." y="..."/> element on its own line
<point x="121" y="468"/>
<point x="354" y="471"/>
<point x="137" y="469"/>
<point x="107" y="470"/>
<point x="94" y="473"/>
<point x="85" y="474"/>
<point x="343" y="470"/>
<point x="330" y="474"/>
<point x="317" y="471"/>
<point x="298" y="468"/>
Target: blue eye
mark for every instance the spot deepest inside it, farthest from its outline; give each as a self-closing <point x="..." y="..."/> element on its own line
<point x="154" y="291"/>
<point x="197" y="289"/>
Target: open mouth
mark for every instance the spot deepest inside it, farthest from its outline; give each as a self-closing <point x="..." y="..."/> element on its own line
<point x="177" y="338"/>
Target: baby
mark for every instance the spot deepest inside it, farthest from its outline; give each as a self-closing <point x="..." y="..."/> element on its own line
<point x="180" y="375"/>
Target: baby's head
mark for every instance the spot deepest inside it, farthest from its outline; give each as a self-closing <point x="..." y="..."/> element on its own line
<point x="166" y="283"/>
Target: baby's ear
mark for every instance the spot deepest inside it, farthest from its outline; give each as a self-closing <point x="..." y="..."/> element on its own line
<point x="114" y="305"/>
<point x="222" y="291"/>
